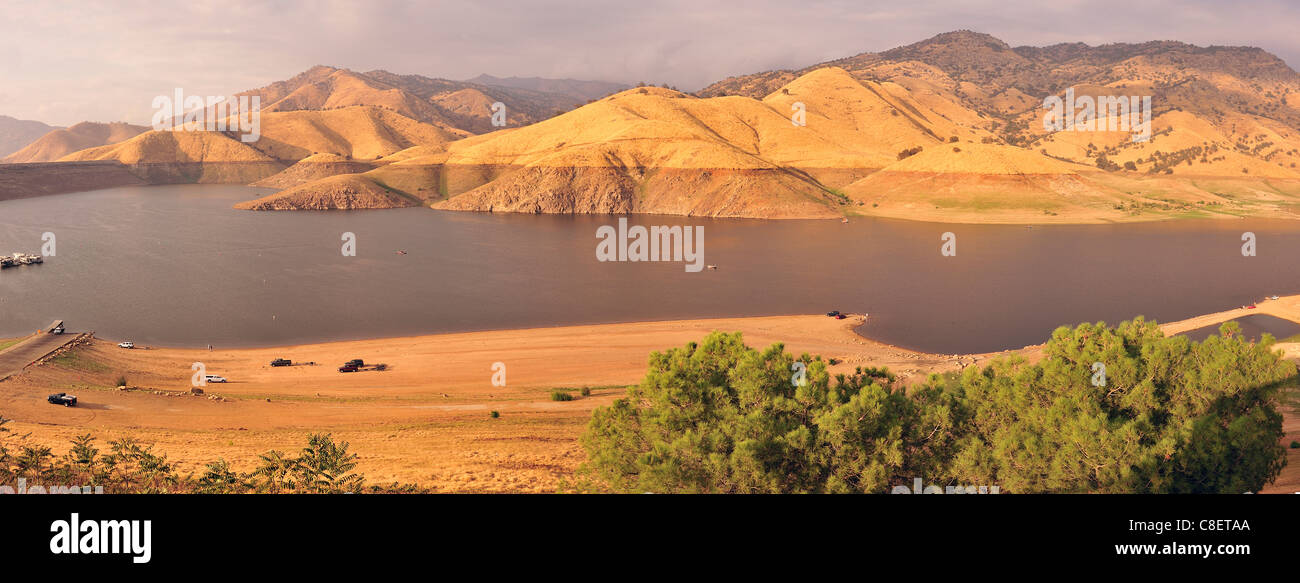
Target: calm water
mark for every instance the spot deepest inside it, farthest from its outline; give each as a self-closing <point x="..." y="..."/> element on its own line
<point x="175" y="265"/>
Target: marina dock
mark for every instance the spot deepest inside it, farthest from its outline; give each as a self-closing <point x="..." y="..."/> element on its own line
<point x="16" y="259"/>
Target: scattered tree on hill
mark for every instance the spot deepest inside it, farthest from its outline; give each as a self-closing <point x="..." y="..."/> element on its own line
<point x="909" y="152"/>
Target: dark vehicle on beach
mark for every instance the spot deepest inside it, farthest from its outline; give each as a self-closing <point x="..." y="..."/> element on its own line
<point x="62" y="399"/>
<point x="281" y="362"/>
<point x="348" y="368"/>
<point x="833" y="313"/>
<point x="357" y="362"/>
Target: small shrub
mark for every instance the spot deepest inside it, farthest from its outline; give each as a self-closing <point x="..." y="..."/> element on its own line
<point x="121" y="381"/>
<point x="586" y="391"/>
<point x="1295" y="445"/>
<point x="496" y="414"/>
<point x="561" y="396"/>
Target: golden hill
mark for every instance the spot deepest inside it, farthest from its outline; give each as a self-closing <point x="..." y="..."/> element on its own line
<point x="173" y="147"/>
<point x="350" y="191"/>
<point x="365" y="133"/>
<point x="464" y="105"/>
<point x="989" y="159"/>
<point x="180" y="156"/>
<point x="361" y="132"/>
<point x="657" y="150"/>
<point x="947" y="129"/>
<point x="849" y="125"/>
<point x="314" y="167"/>
<point x="60" y="143"/>
<point x="660" y="151"/>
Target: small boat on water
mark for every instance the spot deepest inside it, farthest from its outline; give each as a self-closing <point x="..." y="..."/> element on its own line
<point x="20" y="259"/>
<point x="712" y="266"/>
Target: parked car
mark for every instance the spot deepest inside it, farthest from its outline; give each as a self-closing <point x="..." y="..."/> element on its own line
<point x="62" y="399"/>
<point x="357" y="362"/>
<point x="348" y="368"/>
<point x="833" y="313"/>
<point x="211" y="378"/>
<point x="126" y="345"/>
<point x="840" y="316"/>
<point x="281" y="362"/>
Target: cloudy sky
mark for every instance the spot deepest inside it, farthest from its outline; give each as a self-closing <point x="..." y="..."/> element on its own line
<point x="64" y="62"/>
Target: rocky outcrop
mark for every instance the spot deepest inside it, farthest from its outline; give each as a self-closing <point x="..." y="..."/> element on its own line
<point x="755" y="193"/>
<point x="314" y="168"/>
<point x="346" y="192"/>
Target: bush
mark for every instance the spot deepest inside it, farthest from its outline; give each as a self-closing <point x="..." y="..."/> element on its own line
<point x="586" y="391"/>
<point x="909" y="152"/>
<point x="561" y="396"/>
<point x="1295" y="445"/>
<point x="1173" y="416"/>
<point x="121" y="381"/>
<point x="322" y="467"/>
<point x="495" y="414"/>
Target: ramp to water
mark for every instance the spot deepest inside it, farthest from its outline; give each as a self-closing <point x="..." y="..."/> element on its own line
<point x="35" y="347"/>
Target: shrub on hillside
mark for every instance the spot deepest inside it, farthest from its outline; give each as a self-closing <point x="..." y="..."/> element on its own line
<point x="1173" y="416"/>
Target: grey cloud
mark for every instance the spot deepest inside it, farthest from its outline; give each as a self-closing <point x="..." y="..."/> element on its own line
<point x="62" y="62"/>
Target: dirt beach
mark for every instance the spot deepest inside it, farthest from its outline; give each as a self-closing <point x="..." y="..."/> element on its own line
<point x="426" y="419"/>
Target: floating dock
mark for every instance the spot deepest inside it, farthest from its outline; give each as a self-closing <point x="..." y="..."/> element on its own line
<point x="17" y="259"/>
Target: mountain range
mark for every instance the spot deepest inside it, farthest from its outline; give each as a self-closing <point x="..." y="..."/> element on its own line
<point x="17" y="133"/>
<point x="949" y="129"/>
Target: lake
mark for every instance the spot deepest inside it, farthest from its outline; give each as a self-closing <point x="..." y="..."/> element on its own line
<point x="176" y="266"/>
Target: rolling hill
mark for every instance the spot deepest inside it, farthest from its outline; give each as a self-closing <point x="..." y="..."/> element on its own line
<point x="61" y="142"/>
<point x="16" y="134"/>
<point x="455" y="104"/>
<point x="946" y="129"/>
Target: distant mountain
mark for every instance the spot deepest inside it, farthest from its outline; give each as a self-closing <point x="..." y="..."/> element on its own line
<point x="1218" y="110"/>
<point x="947" y="129"/>
<point x="15" y="134"/>
<point x="61" y="142"/>
<point x="455" y="104"/>
<point x="360" y="132"/>
<point x="580" y="91"/>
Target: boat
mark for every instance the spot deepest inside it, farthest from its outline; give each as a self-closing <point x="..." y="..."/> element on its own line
<point x="16" y="259"/>
<point x="712" y="266"/>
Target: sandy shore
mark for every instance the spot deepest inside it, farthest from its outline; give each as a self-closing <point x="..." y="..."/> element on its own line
<point x="425" y="419"/>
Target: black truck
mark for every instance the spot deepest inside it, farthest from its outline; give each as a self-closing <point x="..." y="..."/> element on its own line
<point x="62" y="399"/>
